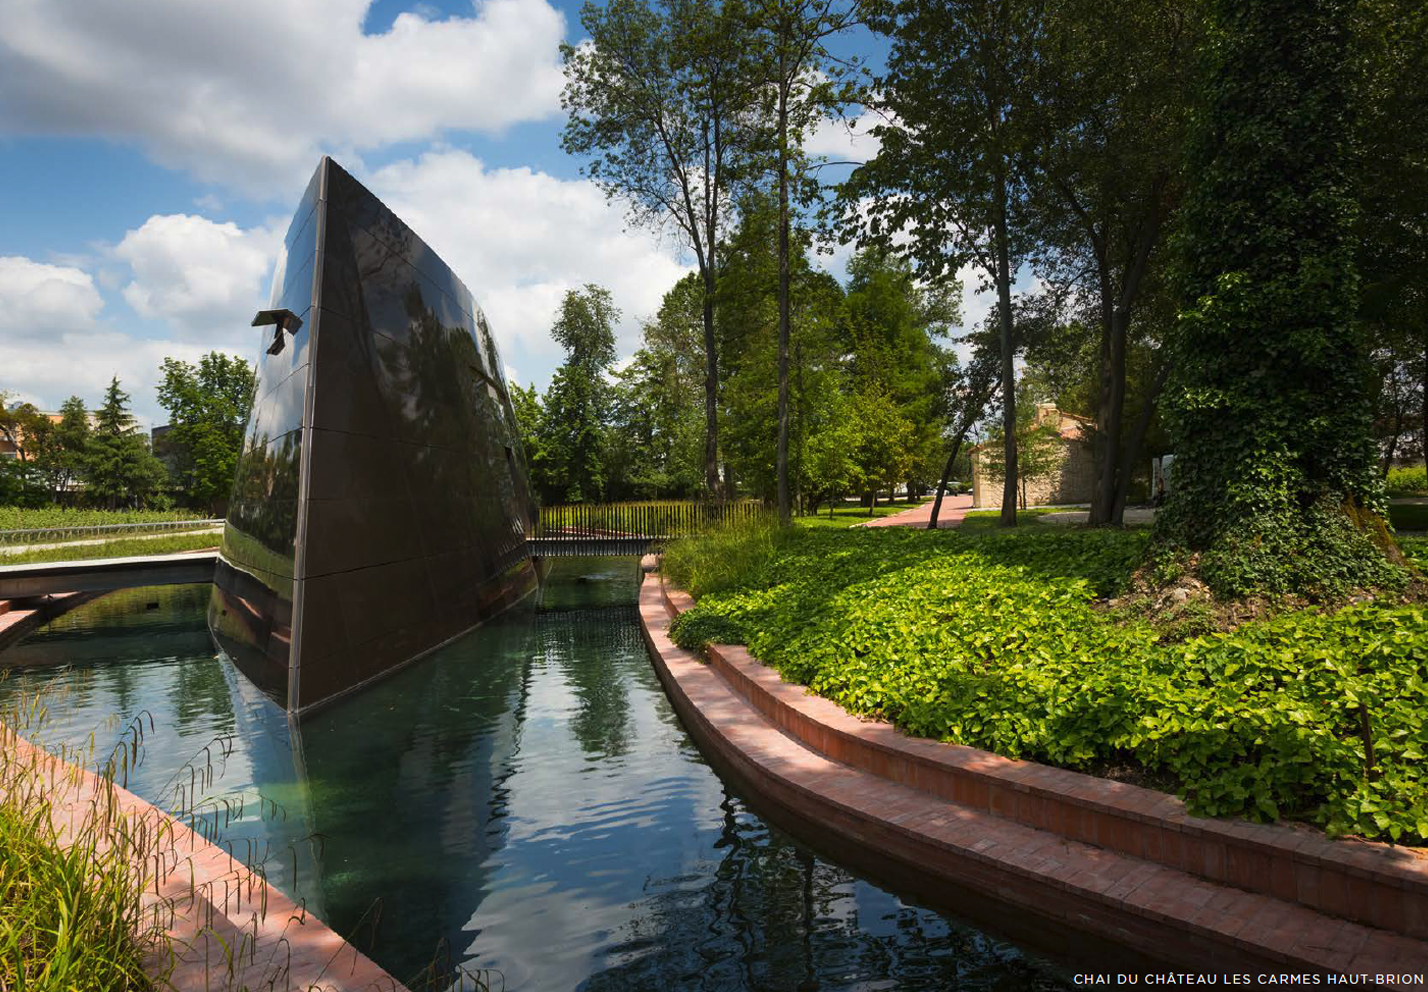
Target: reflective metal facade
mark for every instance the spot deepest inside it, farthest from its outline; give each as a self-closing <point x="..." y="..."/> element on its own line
<point x="380" y="506"/>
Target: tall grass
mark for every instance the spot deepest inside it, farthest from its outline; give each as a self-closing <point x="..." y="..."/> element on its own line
<point x="725" y="556"/>
<point x="80" y="903"/>
<point x="71" y="891"/>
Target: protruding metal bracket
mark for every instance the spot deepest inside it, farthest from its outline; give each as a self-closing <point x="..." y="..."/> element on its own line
<point x="285" y="320"/>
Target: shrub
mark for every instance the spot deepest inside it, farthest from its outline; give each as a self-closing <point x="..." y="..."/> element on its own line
<point x="693" y="630"/>
<point x="723" y="557"/>
<point x="997" y="642"/>
<point x="1410" y="480"/>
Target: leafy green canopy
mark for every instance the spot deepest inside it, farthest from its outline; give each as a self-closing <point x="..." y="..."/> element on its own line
<point x="208" y="406"/>
<point x="119" y="468"/>
<point x="995" y="642"/>
<point x="1269" y="406"/>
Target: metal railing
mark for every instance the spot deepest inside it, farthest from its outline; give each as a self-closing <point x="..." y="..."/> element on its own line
<point x="653" y="521"/>
<point x="61" y="535"/>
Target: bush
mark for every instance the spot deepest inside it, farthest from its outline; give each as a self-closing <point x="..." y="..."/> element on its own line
<point x="1411" y="480"/>
<point x="693" y="630"/>
<point x="997" y="642"/>
<point x="721" y="559"/>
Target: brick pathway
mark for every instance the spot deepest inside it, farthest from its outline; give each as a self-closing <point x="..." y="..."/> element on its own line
<point x="954" y="508"/>
<point x="1119" y="862"/>
<point x="229" y="929"/>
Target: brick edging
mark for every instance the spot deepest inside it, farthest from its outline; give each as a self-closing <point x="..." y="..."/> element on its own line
<point x="1369" y="883"/>
<point x="227" y="927"/>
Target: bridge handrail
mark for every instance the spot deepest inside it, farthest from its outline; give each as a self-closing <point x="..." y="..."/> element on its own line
<point x="655" y="520"/>
<point x="45" y="535"/>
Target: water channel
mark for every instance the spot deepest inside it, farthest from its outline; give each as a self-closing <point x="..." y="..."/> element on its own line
<point x="523" y="802"/>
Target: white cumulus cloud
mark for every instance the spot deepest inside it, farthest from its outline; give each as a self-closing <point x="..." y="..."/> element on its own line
<point x="204" y="279"/>
<point x="520" y="239"/>
<point x="249" y="92"/>
<point x="38" y="300"/>
<point x="844" y="140"/>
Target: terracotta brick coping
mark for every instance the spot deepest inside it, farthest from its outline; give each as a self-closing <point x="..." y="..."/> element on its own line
<point x="1372" y="884"/>
<point x="228" y="929"/>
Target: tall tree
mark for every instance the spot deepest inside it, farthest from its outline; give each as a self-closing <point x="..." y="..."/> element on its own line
<point x="657" y="101"/>
<point x="949" y="174"/>
<point x="1393" y="188"/>
<point x="120" y="470"/>
<point x="19" y="422"/>
<point x="1275" y="488"/>
<point x="577" y="402"/>
<point x="1108" y="146"/>
<point x="61" y="455"/>
<point x="657" y="424"/>
<point x="896" y="326"/>
<point x="208" y="406"/>
<point x="803" y="76"/>
<point x="970" y="388"/>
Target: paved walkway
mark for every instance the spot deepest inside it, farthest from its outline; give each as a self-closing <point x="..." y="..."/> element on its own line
<point x="15" y="549"/>
<point x="954" y="508"/>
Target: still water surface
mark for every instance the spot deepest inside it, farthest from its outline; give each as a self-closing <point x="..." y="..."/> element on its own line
<point x="524" y="801"/>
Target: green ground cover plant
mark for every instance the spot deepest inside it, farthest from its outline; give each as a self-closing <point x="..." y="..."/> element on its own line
<point x="1001" y="641"/>
<point x="1407" y="481"/>
<point x="981" y="521"/>
<point x="19" y="518"/>
<point x="163" y="545"/>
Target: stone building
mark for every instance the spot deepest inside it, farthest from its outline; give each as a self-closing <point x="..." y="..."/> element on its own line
<point x="1070" y="479"/>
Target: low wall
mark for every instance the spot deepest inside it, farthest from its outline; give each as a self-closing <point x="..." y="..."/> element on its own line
<point x="226" y="927"/>
<point x="1286" y="894"/>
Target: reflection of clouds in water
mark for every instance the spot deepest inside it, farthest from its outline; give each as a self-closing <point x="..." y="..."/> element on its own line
<point x="161" y="664"/>
<point x="527" y="796"/>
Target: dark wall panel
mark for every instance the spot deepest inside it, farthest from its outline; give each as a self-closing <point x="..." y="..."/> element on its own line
<point x="381" y="505"/>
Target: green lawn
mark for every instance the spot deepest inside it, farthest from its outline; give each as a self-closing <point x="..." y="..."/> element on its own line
<point x="128" y="547"/>
<point x="851" y="514"/>
<point x="1001" y="640"/>
<point x="981" y="521"/>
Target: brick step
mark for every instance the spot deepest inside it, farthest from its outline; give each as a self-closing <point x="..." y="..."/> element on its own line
<point x="1161" y="910"/>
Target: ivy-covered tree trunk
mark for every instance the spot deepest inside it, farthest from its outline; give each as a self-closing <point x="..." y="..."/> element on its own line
<point x="1269" y="407"/>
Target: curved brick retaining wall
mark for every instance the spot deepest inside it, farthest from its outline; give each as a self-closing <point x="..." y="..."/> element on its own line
<point x="1120" y="861"/>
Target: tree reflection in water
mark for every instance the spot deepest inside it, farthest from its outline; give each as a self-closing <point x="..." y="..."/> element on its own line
<point x="526" y="799"/>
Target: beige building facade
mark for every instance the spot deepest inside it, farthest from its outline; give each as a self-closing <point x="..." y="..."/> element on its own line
<point x="1072" y="474"/>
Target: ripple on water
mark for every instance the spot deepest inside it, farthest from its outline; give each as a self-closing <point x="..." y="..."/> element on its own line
<point x="525" y="799"/>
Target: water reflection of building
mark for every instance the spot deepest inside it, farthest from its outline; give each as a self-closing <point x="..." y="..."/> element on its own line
<point x="411" y="803"/>
<point x="380" y="505"/>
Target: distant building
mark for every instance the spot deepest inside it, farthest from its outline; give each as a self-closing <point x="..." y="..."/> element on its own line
<point x="1070" y="480"/>
<point x="165" y="449"/>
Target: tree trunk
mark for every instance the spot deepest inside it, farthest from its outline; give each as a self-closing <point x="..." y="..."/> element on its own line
<point x="946" y="474"/>
<point x="1009" y="486"/>
<point x="1133" y="446"/>
<point x="1113" y="470"/>
<point x="711" y="390"/>
<point x="1425" y="404"/>
<point x="784" y="515"/>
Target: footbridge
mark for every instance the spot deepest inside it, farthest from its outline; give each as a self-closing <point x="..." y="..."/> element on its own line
<point x="580" y="530"/>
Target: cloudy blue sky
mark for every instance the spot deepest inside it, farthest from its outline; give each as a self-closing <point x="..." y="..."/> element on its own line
<point x="151" y="153"/>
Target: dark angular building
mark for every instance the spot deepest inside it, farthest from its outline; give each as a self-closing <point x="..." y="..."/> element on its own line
<point x="381" y="505"/>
